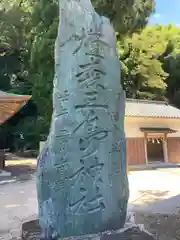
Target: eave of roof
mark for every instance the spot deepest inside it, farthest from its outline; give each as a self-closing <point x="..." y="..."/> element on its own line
<point x="150" y="109"/>
<point x="157" y="130"/>
<point x="10" y="97"/>
<point x="10" y="104"/>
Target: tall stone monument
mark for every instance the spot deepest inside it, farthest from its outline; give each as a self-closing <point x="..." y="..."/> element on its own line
<point x="82" y="184"/>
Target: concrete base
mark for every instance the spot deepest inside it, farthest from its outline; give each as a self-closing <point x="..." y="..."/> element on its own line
<point x="4" y="173"/>
<point x="153" y="166"/>
<point x="31" y="231"/>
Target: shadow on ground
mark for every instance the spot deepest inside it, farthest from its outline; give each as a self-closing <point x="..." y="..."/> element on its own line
<point x="162" y="226"/>
<point x="20" y="172"/>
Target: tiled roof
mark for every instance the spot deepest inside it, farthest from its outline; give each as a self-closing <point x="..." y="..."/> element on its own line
<point x="10" y="97"/>
<point x="10" y="104"/>
<point x="3" y="94"/>
<point x="148" y="108"/>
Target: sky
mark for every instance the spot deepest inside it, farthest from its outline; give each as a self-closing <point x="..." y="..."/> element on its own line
<point x="167" y="11"/>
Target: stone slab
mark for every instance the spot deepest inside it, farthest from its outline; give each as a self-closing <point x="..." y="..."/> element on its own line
<point x="82" y="184"/>
<point x="31" y="231"/>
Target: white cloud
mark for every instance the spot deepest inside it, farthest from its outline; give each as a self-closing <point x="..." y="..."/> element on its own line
<point x="157" y="15"/>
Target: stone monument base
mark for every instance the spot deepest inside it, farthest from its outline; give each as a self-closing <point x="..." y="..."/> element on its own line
<point x="31" y="231"/>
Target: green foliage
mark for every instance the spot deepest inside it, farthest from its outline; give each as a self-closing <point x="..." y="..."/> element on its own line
<point x="15" y="26"/>
<point x="149" y="57"/>
<point x="150" y="63"/>
<point x="143" y="73"/>
<point x="28" y="133"/>
<point x="127" y="16"/>
<point x="42" y="57"/>
<point x="5" y="135"/>
<point x="171" y="62"/>
<point x="131" y="14"/>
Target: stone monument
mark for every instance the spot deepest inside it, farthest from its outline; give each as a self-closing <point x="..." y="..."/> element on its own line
<point x="82" y="183"/>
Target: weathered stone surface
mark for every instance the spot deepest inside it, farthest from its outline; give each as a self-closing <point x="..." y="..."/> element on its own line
<point x="31" y="231"/>
<point x="81" y="172"/>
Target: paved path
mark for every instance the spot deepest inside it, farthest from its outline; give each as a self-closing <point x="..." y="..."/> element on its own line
<point x="18" y="202"/>
<point x="154" y="191"/>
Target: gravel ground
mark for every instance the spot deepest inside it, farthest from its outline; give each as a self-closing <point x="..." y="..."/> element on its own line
<point x="154" y="198"/>
<point x="17" y="198"/>
<point x="162" y="226"/>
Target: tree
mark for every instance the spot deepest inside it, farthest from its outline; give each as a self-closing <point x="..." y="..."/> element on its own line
<point x="45" y="21"/>
<point x="171" y="63"/>
<point x="150" y="63"/>
<point x="15" y="27"/>
<point x="143" y="75"/>
<point x="127" y="16"/>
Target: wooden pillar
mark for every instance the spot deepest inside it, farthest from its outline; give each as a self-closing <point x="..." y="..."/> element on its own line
<point x="165" y="150"/>
<point x="145" y="148"/>
<point x="2" y="159"/>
